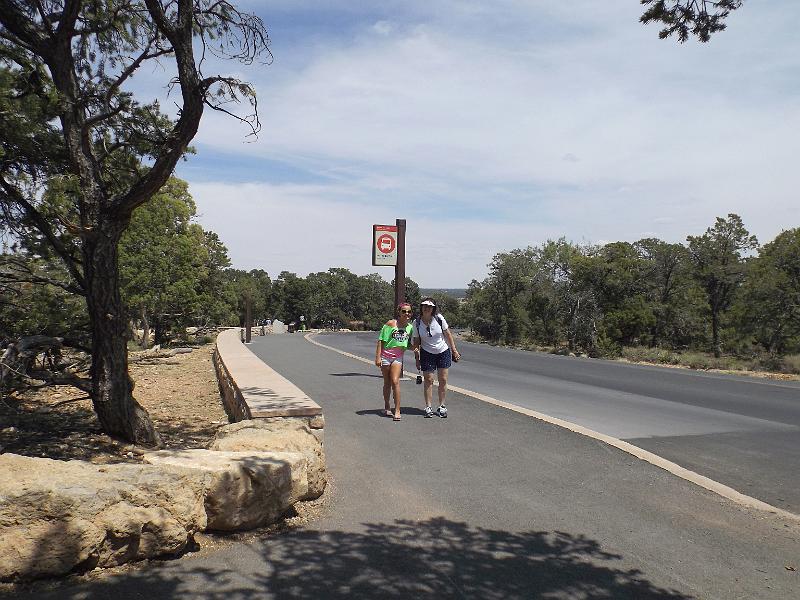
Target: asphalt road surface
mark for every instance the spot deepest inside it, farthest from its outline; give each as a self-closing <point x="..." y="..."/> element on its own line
<point x="741" y="431"/>
<point x="486" y="504"/>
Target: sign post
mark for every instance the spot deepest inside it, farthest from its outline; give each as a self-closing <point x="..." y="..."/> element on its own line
<point x="248" y="317"/>
<point x="389" y="249"/>
<point x="400" y="267"/>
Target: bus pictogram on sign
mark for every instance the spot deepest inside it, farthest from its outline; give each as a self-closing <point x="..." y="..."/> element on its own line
<point x="385" y="244"/>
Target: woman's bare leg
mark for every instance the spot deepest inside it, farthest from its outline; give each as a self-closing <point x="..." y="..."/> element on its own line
<point x="395" y="369"/>
<point x="428" y="379"/>
<point x="387" y="386"/>
<point x="442" y="385"/>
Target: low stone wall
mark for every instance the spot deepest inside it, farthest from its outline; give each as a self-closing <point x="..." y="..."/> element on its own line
<point x="252" y="389"/>
<point x="58" y="517"/>
<point x="268" y="410"/>
<point x="232" y="398"/>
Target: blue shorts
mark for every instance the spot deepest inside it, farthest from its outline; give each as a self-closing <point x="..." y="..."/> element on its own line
<point x="431" y="362"/>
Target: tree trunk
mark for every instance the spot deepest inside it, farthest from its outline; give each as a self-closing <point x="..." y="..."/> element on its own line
<point x="112" y="388"/>
<point x="715" y="334"/>
<point x="145" y="330"/>
<point x="159" y="331"/>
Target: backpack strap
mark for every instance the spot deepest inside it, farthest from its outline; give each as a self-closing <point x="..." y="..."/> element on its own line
<point x="438" y="320"/>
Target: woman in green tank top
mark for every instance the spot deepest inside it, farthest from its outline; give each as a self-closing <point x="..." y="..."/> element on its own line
<point x="392" y="342"/>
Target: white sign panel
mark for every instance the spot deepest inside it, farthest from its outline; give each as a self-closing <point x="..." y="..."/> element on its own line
<point x="384" y="245"/>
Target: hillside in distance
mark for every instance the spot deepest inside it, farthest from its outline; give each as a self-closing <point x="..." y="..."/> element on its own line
<point x="454" y="292"/>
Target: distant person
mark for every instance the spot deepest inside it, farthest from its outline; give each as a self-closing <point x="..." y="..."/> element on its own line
<point x="393" y="340"/>
<point x="435" y="350"/>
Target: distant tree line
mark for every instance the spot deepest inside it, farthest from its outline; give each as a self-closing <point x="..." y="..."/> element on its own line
<point x="719" y="292"/>
<point x="175" y="275"/>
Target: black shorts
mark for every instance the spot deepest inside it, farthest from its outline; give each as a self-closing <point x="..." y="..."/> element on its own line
<point x="431" y="362"/>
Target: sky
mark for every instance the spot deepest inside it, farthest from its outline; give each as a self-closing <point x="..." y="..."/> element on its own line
<point x="495" y="126"/>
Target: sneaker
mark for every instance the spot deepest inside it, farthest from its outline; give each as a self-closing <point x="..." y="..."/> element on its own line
<point x="428" y="412"/>
<point x="442" y="412"/>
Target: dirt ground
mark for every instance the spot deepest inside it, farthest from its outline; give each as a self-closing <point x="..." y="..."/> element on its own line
<point x="180" y="393"/>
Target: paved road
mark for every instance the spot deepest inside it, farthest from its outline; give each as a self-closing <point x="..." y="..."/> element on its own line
<point x="740" y="431"/>
<point x="487" y="504"/>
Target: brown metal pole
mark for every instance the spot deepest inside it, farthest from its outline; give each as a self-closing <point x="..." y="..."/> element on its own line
<point x="400" y="267"/>
<point x="248" y="317"/>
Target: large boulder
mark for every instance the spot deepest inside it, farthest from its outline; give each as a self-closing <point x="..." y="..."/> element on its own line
<point x="244" y="489"/>
<point x="281" y="434"/>
<point x="61" y="516"/>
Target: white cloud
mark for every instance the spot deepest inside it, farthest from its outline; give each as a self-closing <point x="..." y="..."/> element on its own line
<point x="501" y="126"/>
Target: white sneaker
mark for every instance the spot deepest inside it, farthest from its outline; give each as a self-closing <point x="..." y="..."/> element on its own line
<point x="442" y="412"/>
<point x="428" y="412"/>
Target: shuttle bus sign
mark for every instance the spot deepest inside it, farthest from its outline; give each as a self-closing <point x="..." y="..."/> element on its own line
<point x="384" y="245"/>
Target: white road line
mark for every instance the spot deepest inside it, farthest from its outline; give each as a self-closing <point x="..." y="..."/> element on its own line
<point x="640" y="453"/>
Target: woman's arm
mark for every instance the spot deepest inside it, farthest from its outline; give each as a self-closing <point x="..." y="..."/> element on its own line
<point x="378" y="351"/>
<point x="452" y="343"/>
<point x="416" y="343"/>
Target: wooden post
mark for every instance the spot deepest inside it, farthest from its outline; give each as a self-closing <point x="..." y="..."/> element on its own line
<point x="400" y="267"/>
<point x="248" y="317"/>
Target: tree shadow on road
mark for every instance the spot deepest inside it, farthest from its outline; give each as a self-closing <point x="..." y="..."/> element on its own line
<point x="379" y="412"/>
<point x="356" y="375"/>
<point x="436" y="558"/>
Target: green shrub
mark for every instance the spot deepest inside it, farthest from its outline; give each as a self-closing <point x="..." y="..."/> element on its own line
<point x="769" y="362"/>
<point x="651" y="355"/>
<point x="791" y="364"/>
<point x="696" y="360"/>
<point x="605" y="348"/>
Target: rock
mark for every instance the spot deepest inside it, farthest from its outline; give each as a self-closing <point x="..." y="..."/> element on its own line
<point x="245" y="489"/>
<point x="61" y="516"/>
<point x="282" y="434"/>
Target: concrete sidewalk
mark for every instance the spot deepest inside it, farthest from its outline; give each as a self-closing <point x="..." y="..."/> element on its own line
<point x="484" y="504"/>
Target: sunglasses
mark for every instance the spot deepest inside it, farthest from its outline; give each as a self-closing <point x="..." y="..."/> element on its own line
<point x="428" y="327"/>
<point x="406" y="312"/>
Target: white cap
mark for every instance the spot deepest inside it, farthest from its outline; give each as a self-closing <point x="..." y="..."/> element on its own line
<point x="427" y="302"/>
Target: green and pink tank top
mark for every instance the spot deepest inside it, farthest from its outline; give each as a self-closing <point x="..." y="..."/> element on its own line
<point x="395" y="341"/>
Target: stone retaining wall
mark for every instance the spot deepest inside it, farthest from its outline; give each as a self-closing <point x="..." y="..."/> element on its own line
<point x="277" y="413"/>
<point x="57" y="517"/>
<point x="232" y="398"/>
<point x="252" y="389"/>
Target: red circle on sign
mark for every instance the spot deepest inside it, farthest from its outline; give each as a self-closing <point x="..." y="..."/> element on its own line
<point x="385" y="244"/>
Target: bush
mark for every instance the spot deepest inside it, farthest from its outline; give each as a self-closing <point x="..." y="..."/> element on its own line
<point x="696" y="360"/>
<point x="777" y="364"/>
<point x="792" y="363"/>
<point x="702" y="361"/>
<point x="652" y="355"/>
<point x="769" y="362"/>
<point x="605" y="348"/>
